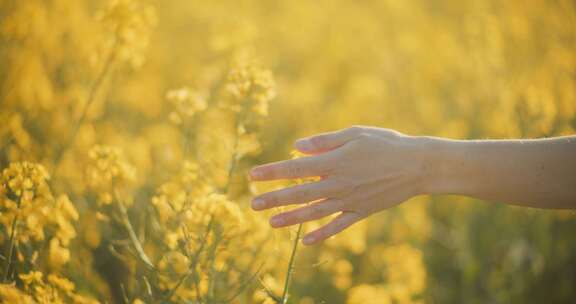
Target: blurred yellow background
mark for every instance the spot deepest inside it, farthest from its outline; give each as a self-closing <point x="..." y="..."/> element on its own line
<point x="128" y="127"/>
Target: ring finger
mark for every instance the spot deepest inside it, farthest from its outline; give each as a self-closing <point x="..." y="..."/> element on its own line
<point x="312" y="212"/>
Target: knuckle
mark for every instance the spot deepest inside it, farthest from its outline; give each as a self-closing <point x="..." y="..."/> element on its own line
<point x="319" y="141"/>
<point x="329" y="161"/>
<point x="291" y="217"/>
<point x="349" y="205"/>
<point x="301" y="194"/>
<point x="323" y="233"/>
<point x="345" y="185"/>
<point x="339" y="225"/>
<point x="360" y="213"/>
<point x="272" y="199"/>
<point x="317" y="211"/>
<point x="346" y="182"/>
<point x="338" y="203"/>
<point x="391" y="133"/>
<point x="292" y="169"/>
<point x="356" y="130"/>
<point x="337" y="165"/>
<point x="361" y="144"/>
<point x="279" y="197"/>
<point x="364" y="137"/>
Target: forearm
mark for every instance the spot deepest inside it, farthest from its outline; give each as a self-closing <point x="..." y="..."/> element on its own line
<point x="538" y="173"/>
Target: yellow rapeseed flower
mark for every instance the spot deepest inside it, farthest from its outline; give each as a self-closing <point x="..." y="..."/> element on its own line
<point x="252" y="88"/>
<point x="186" y="103"/>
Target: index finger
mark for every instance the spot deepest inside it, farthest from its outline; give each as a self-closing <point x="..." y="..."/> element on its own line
<point x="289" y="169"/>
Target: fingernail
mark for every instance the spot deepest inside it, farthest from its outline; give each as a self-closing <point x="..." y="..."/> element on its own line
<point x="304" y="144"/>
<point x="307" y="240"/>
<point x="256" y="174"/>
<point x="276" y="221"/>
<point x="258" y="203"/>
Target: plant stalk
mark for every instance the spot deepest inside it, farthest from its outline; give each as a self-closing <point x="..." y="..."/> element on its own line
<point x="291" y="266"/>
<point x="98" y="82"/>
<point x="11" y="248"/>
<point x="193" y="264"/>
<point x="132" y="234"/>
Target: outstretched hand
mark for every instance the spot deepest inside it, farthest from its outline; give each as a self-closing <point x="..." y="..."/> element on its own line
<point x="362" y="170"/>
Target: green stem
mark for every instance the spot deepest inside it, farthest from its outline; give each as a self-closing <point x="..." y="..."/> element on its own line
<point x="234" y="157"/>
<point x="234" y="160"/>
<point x="244" y="285"/>
<point x="186" y="131"/>
<point x="132" y="234"/>
<point x="90" y="99"/>
<point x="11" y="249"/>
<point x="212" y="254"/>
<point x="193" y="264"/>
<point x="291" y="266"/>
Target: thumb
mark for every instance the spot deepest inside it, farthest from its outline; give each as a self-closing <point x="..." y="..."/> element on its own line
<point x="326" y="141"/>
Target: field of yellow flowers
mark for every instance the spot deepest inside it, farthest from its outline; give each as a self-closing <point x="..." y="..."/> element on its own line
<point x="127" y="128"/>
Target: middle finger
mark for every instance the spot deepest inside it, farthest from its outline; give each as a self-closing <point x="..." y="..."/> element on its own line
<point x="298" y="194"/>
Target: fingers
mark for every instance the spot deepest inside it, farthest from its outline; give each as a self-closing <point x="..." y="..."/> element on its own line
<point x="341" y="222"/>
<point x="312" y="212"/>
<point x="294" y="168"/>
<point x="307" y="166"/>
<point x="299" y="194"/>
<point x="327" y="141"/>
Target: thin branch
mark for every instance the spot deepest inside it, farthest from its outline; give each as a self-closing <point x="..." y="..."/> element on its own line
<point x="89" y="100"/>
<point x="148" y="289"/>
<point x="291" y="265"/>
<point x="255" y="256"/>
<point x="117" y="254"/>
<point x="235" y="155"/>
<point x="12" y="241"/>
<point x="244" y="285"/>
<point x="11" y="248"/>
<point x="132" y="234"/>
<point x="213" y="272"/>
<point x="240" y="116"/>
<point x="269" y="291"/>
<point x="193" y="264"/>
<point x="124" y="294"/>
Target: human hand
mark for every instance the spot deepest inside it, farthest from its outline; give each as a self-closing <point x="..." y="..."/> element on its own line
<point x="362" y="170"/>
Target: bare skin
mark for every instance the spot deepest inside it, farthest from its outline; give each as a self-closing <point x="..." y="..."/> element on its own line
<point x="365" y="170"/>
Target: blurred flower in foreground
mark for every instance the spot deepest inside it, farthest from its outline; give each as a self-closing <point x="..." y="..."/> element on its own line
<point x="107" y="170"/>
<point x="25" y="182"/>
<point x="252" y="88"/>
<point x="368" y="294"/>
<point x="186" y="102"/>
<point x="25" y="200"/>
<point x="130" y="23"/>
<point x="56" y="289"/>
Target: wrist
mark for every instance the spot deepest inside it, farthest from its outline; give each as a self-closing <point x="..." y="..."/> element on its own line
<point x="444" y="166"/>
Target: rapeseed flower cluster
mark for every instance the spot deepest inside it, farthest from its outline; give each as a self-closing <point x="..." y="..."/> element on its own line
<point x="128" y="23"/>
<point x="251" y="88"/>
<point x="107" y="171"/>
<point x="186" y="103"/>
